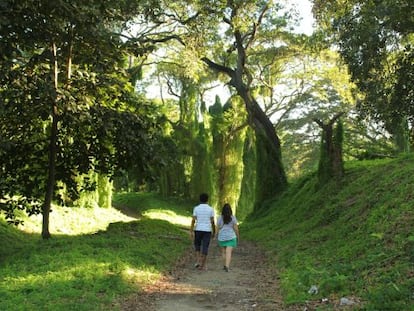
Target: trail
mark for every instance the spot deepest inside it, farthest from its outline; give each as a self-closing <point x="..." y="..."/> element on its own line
<point x="249" y="285"/>
<point x="252" y="284"/>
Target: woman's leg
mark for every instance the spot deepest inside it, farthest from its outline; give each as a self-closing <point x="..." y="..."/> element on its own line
<point x="229" y="250"/>
<point x="223" y="254"/>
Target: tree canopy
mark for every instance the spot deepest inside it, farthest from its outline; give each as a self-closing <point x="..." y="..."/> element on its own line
<point x="375" y="41"/>
<point x="68" y="106"/>
<point x="74" y="95"/>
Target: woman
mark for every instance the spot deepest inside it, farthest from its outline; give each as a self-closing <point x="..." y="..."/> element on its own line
<point x="228" y="234"/>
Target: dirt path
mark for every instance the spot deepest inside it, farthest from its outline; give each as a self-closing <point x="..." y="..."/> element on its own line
<point x="249" y="285"/>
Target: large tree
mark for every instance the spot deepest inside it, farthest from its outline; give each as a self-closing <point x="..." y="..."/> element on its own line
<point x="247" y="26"/>
<point x="244" y="43"/>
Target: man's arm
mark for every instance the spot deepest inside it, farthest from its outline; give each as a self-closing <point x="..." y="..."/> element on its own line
<point x="213" y="227"/>
<point x="193" y="220"/>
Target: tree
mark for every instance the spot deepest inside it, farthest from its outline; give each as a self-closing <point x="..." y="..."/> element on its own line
<point x="244" y="32"/>
<point x="375" y="40"/>
<point x="191" y="173"/>
<point x="228" y="129"/>
<point x="331" y="162"/>
<point x="62" y="81"/>
<point x="320" y="88"/>
<point x="239" y="41"/>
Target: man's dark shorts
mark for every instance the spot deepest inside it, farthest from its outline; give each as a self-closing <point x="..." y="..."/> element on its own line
<point x="202" y="241"/>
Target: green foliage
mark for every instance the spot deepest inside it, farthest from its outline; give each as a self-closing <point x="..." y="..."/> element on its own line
<point x="352" y="239"/>
<point x="101" y="124"/>
<point x="244" y="44"/>
<point x="104" y="190"/>
<point x="94" y="270"/>
<point x="201" y="176"/>
<point x="375" y="40"/>
<point x="268" y="183"/>
<point x="246" y="202"/>
<point x="228" y="130"/>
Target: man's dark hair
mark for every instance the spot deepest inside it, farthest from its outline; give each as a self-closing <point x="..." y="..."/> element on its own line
<point x="204" y="198"/>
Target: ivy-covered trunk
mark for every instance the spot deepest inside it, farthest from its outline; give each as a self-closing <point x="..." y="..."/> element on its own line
<point x="229" y="131"/>
<point x="247" y="196"/>
<point x="401" y="135"/>
<point x="270" y="177"/>
<point x="331" y="161"/>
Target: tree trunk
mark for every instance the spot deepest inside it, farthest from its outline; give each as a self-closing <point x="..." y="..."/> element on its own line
<point x="50" y="185"/>
<point x="270" y="177"/>
<point x="272" y="170"/>
<point x="330" y="162"/>
<point x="401" y="136"/>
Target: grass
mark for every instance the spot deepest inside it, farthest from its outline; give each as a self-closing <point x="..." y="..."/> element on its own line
<point x="96" y="257"/>
<point x="350" y="239"/>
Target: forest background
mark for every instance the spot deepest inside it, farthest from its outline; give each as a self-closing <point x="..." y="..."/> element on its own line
<point x="76" y="121"/>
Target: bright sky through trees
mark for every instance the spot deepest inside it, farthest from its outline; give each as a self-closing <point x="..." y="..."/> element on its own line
<point x="304" y="9"/>
<point x="305" y="13"/>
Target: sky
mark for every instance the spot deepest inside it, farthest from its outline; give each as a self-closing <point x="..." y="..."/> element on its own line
<point x="305" y="12"/>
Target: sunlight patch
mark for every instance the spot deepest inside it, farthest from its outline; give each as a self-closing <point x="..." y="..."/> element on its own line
<point x="140" y="276"/>
<point x="169" y="216"/>
<point x="76" y="220"/>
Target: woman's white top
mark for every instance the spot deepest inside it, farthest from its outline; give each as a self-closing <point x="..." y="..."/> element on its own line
<point x="226" y="231"/>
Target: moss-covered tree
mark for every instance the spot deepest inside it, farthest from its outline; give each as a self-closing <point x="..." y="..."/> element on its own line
<point x="228" y="128"/>
<point x="331" y="161"/>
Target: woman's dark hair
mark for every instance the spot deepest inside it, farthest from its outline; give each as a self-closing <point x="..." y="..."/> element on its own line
<point x="226" y="213"/>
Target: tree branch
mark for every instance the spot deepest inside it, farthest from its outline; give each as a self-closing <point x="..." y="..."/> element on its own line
<point x="218" y="67"/>
<point x="330" y="123"/>
<point x="256" y="25"/>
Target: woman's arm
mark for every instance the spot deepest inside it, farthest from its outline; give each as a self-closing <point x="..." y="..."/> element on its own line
<point x="236" y="230"/>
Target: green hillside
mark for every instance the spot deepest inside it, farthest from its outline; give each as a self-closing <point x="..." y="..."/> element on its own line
<point x="352" y="239"/>
<point x="96" y="257"/>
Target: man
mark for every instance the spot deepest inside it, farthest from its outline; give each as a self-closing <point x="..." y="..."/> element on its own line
<point x="204" y="230"/>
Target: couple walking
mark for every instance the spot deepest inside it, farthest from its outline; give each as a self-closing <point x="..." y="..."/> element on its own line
<point x="203" y="229"/>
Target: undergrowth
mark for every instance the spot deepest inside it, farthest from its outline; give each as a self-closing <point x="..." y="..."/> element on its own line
<point x="90" y="270"/>
<point x="350" y="238"/>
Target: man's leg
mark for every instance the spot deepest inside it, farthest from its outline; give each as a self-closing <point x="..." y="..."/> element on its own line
<point x="204" y="249"/>
<point x="197" y="248"/>
<point x="203" y="262"/>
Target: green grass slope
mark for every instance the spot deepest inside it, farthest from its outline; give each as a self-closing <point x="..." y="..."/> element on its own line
<point x="351" y="239"/>
<point x="95" y="258"/>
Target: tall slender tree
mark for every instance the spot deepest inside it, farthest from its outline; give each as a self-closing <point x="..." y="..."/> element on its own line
<point x="331" y="161"/>
<point x="62" y="81"/>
